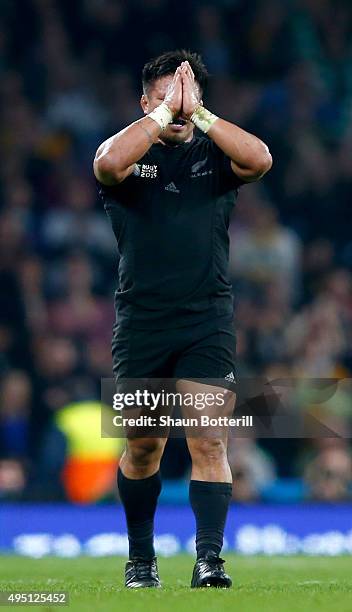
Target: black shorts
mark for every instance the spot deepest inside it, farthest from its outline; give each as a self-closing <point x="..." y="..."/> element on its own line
<point x="206" y="350"/>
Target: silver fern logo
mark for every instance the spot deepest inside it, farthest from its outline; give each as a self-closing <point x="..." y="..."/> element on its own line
<point x="198" y="169"/>
<point x="198" y="165"/>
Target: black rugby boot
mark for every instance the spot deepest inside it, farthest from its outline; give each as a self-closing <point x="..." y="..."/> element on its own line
<point x="209" y="572"/>
<point x="142" y="573"/>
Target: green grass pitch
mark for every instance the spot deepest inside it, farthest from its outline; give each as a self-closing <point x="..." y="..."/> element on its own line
<point x="261" y="584"/>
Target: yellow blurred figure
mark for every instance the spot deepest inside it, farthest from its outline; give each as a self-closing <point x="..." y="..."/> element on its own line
<point x="91" y="461"/>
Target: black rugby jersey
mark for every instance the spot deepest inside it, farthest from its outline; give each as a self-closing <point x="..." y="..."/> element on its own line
<point x="170" y="218"/>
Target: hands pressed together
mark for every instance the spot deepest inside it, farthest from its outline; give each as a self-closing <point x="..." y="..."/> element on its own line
<point x="117" y="156"/>
<point x="183" y="95"/>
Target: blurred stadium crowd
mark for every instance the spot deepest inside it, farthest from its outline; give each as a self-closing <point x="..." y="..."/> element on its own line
<point x="70" y="76"/>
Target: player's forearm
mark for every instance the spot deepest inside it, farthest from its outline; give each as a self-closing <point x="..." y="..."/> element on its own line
<point x="116" y="156"/>
<point x="250" y="155"/>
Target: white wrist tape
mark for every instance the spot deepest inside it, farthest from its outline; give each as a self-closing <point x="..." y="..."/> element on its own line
<point x="203" y="119"/>
<point x="162" y="115"/>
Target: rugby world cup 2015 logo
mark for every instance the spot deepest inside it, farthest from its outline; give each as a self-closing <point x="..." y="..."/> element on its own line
<point x="146" y="170"/>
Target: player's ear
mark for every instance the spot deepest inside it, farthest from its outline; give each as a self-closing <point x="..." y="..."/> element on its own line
<point x="144" y="103"/>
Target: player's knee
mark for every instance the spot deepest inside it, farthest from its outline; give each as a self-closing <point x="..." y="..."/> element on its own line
<point x="207" y="450"/>
<point x="142" y="453"/>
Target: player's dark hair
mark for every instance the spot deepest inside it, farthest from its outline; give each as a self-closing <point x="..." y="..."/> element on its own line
<point x="167" y="63"/>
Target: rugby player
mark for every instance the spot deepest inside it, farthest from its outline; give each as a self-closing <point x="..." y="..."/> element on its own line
<point x="169" y="195"/>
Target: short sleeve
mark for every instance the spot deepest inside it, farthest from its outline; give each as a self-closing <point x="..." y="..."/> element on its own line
<point x="225" y="178"/>
<point x="118" y="192"/>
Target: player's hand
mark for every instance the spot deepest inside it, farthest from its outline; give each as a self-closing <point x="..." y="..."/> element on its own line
<point x="190" y="91"/>
<point x="173" y="97"/>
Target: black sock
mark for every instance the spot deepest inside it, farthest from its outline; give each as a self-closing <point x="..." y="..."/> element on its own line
<point x="139" y="499"/>
<point x="210" y="502"/>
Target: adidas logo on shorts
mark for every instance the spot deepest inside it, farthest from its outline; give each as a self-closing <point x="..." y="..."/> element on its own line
<point x="230" y="377"/>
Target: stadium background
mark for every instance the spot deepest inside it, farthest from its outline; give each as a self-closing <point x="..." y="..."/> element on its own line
<point x="70" y="77"/>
